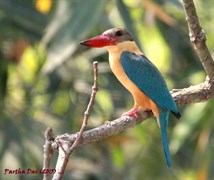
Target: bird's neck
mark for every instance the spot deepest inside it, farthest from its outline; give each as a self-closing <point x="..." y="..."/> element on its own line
<point x="130" y="46"/>
<point x="116" y="51"/>
<point x="116" y="66"/>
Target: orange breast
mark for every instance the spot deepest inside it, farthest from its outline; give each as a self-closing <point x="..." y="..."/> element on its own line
<point x="140" y="99"/>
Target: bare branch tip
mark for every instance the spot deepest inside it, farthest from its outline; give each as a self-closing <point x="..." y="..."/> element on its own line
<point x="49" y="134"/>
<point x="95" y="63"/>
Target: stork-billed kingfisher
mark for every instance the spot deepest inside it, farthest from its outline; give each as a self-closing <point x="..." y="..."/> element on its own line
<point x="139" y="76"/>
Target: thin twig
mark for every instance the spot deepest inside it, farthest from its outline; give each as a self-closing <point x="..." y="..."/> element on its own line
<point x="89" y="107"/>
<point x="65" y="149"/>
<point x="198" y="38"/>
<point x="48" y="152"/>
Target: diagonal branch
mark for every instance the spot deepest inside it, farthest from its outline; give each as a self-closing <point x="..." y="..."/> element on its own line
<point x="198" y="38"/>
<point x="193" y="94"/>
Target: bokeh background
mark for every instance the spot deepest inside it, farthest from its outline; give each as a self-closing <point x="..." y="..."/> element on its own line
<point x="46" y="79"/>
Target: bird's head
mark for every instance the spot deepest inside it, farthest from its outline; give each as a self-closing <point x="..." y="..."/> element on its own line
<point x="110" y="37"/>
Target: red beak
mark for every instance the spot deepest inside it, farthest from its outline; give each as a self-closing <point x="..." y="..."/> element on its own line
<point x="99" y="41"/>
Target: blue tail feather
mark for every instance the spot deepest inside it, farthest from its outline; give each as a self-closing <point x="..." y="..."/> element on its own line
<point x="163" y="117"/>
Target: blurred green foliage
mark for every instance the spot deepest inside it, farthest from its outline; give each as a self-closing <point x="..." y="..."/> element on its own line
<point x="46" y="79"/>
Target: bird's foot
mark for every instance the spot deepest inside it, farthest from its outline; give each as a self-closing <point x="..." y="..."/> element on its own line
<point x="131" y="112"/>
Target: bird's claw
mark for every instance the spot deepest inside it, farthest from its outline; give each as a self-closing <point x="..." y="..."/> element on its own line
<point x="132" y="112"/>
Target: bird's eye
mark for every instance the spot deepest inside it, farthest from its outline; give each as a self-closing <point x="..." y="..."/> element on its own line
<point x="119" y="33"/>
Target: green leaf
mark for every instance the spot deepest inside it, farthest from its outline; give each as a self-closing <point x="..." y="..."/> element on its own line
<point x="83" y="18"/>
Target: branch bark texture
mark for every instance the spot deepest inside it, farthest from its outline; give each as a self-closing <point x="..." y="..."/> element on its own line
<point x="197" y="36"/>
<point x="48" y="152"/>
<point x="193" y="94"/>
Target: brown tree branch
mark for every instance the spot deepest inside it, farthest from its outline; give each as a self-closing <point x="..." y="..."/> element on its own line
<point x="193" y="94"/>
<point x="198" y="38"/>
<point x="48" y="152"/>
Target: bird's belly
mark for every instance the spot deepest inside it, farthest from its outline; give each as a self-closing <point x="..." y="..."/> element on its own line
<point x="140" y="98"/>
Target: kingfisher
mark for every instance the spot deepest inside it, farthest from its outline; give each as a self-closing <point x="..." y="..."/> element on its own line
<point x="140" y="77"/>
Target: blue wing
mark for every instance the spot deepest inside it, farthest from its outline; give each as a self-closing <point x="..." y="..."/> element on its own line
<point x="148" y="79"/>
